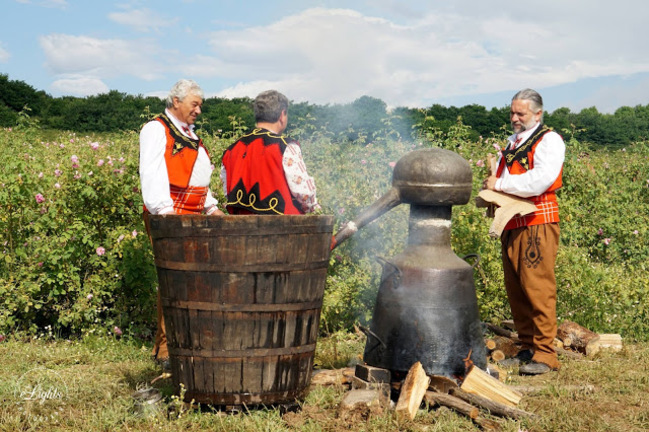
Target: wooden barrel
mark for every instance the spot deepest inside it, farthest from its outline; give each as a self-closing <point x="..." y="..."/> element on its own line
<point x="241" y="298"/>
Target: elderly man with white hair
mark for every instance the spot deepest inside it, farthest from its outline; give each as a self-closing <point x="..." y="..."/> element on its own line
<point x="531" y="167"/>
<point x="175" y="170"/>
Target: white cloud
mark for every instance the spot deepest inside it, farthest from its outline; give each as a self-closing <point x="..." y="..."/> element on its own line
<point x="103" y="58"/>
<point x="143" y="20"/>
<point x="4" y="54"/>
<point x="336" y="55"/>
<point x="79" y="86"/>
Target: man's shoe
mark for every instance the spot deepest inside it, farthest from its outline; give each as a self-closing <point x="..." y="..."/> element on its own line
<point x="525" y="356"/>
<point x="534" y="368"/>
<point x="164" y="362"/>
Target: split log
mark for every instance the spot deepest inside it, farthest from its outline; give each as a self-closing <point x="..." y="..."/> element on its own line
<point x="412" y="391"/>
<point x="457" y="404"/>
<point x="508" y="207"/>
<point x="490" y="344"/>
<point x="441" y="383"/>
<point x="492" y="406"/>
<point x="611" y="342"/>
<point x="576" y="336"/>
<point x="481" y="383"/>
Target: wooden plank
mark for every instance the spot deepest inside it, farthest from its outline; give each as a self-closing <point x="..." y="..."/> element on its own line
<point x="412" y="391"/>
<point x="481" y="383"/>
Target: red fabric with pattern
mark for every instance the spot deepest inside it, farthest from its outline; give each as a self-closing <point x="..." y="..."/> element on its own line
<point x="255" y="175"/>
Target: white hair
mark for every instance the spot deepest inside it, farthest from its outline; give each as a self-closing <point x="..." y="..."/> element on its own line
<point x="182" y="89"/>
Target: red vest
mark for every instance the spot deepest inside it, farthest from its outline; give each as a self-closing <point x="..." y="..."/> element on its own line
<point x="256" y="182"/>
<point x="518" y="161"/>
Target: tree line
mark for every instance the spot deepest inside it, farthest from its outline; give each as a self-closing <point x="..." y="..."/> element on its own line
<point x="116" y="111"/>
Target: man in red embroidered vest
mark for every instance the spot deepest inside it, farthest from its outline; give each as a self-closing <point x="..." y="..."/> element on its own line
<point x="263" y="172"/>
<point x="175" y="170"/>
<point x="531" y="167"/>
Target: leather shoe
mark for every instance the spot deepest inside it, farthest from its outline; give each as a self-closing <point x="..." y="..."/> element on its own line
<point x="165" y="363"/>
<point x="525" y="356"/>
<point x="534" y="368"/>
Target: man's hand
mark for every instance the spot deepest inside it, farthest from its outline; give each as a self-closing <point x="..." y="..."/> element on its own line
<point x="490" y="183"/>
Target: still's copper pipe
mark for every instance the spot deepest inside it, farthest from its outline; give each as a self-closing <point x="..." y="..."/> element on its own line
<point x="388" y="201"/>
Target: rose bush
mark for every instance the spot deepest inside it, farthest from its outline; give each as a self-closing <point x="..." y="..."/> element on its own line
<point x="75" y="255"/>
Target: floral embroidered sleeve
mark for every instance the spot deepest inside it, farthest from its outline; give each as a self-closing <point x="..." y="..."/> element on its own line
<point x="302" y="185"/>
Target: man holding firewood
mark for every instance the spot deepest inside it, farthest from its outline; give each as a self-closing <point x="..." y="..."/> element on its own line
<point x="530" y="167"/>
<point x="263" y="172"/>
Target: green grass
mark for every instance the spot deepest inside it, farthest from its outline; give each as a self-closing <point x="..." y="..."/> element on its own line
<point x="91" y="384"/>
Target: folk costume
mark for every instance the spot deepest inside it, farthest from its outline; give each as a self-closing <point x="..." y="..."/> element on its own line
<point x="175" y="173"/>
<point x="531" y="167"/>
<point x="264" y="173"/>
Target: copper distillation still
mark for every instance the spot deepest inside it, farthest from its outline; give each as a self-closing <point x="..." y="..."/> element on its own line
<point x="426" y="308"/>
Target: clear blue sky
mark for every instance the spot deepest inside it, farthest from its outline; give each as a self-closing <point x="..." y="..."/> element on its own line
<point x="412" y="53"/>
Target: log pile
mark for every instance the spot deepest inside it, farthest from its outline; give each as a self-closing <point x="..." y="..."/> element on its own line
<point x="478" y="393"/>
<point x="573" y="341"/>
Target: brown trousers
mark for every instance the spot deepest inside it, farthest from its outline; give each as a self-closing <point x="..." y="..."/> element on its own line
<point x="160" y="351"/>
<point x="529" y="255"/>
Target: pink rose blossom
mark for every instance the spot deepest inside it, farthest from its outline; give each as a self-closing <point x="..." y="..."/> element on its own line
<point x="392" y="164"/>
<point x="40" y="175"/>
<point x="600" y="231"/>
<point x="77" y="176"/>
<point x="57" y="186"/>
<point x="39" y="198"/>
<point x="58" y="172"/>
<point x="607" y="241"/>
<point x="120" y="238"/>
<point x="62" y="145"/>
<point x="100" y="162"/>
<point x="94" y="145"/>
<point x="74" y="158"/>
<point x="635" y="232"/>
<point x="100" y="251"/>
<point x="89" y="297"/>
<point x="363" y="161"/>
<point x="479" y="163"/>
<point x="121" y="160"/>
<point x="117" y="331"/>
<point x="71" y="140"/>
<point x="134" y="233"/>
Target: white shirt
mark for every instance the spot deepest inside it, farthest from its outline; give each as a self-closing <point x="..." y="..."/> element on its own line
<point x="300" y="183"/>
<point x="154" y="178"/>
<point x="548" y="161"/>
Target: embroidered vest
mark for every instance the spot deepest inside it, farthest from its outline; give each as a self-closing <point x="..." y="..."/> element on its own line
<point x="518" y="161"/>
<point x="256" y="182"/>
<point x="181" y="153"/>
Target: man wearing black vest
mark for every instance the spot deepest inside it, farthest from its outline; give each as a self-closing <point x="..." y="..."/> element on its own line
<point x="531" y="167"/>
<point x="263" y="171"/>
